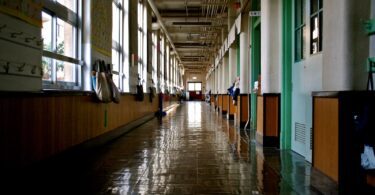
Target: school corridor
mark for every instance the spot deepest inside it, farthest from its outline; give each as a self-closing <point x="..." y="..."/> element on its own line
<point x="278" y="97"/>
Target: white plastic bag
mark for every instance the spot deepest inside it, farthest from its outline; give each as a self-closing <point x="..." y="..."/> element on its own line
<point x="368" y="158"/>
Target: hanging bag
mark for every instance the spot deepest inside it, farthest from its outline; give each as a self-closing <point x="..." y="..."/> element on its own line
<point x="101" y="86"/>
<point x="115" y="93"/>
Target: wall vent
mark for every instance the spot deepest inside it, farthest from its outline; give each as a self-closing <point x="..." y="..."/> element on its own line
<point x="300" y="132"/>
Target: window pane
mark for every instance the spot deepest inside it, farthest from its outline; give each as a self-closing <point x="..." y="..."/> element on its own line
<point x="320" y="4"/>
<point x="70" y="4"/>
<point x="65" y="71"/>
<point x="191" y="86"/>
<point x="115" y="23"/>
<point x="314" y="6"/>
<point x="47" y="31"/>
<point x="320" y="31"/>
<point x="115" y="60"/>
<point x="116" y="80"/>
<point x="314" y="34"/>
<point x="198" y="86"/>
<point x="65" y="37"/>
<point x="298" y="13"/>
<point x="47" y="68"/>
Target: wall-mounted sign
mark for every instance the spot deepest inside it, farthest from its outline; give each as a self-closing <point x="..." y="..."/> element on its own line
<point x="254" y="13"/>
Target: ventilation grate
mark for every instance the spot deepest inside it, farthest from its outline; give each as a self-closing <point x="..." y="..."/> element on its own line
<point x="300" y="132"/>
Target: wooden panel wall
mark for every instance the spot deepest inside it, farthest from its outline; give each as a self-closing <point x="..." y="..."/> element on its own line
<point x="232" y="107"/>
<point x="260" y="115"/>
<point x="325" y="124"/>
<point x="225" y="102"/>
<point x="271" y="106"/>
<point x="220" y="102"/>
<point x="237" y="115"/>
<point x="244" y="108"/>
<point x="34" y="128"/>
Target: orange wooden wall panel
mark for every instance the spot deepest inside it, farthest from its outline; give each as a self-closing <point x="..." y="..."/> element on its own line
<point x="244" y="108"/>
<point x="225" y="102"/>
<point x="34" y="128"/>
<point x="272" y="116"/>
<point x="232" y="107"/>
<point x="220" y="101"/>
<point x="260" y="115"/>
<point x="325" y="151"/>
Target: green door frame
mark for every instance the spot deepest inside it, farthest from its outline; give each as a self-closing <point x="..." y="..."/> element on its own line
<point x="255" y="65"/>
<point x="286" y="92"/>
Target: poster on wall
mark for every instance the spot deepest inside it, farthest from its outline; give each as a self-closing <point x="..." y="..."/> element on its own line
<point x="101" y="26"/>
<point x="29" y="11"/>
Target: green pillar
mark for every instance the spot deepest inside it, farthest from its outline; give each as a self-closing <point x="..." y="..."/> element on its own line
<point x="286" y="92"/>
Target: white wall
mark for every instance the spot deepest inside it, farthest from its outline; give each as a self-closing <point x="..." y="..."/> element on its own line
<point x="271" y="46"/>
<point x="244" y="55"/>
<point x="345" y="44"/>
<point x="17" y="51"/>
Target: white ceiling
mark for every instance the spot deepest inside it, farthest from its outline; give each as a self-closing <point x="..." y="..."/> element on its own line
<point x="195" y="29"/>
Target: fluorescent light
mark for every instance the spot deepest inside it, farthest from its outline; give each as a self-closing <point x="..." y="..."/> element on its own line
<point x="194" y="78"/>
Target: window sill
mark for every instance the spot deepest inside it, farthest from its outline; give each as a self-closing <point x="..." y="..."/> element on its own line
<point x="45" y="93"/>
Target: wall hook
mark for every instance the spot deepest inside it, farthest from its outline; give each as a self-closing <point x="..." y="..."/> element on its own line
<point x="2" y="26"/>
<point x="14" y="35"/>
<point x="40" y="42"/>
<point x="22" y="67"/>
<point x="41" y="71"/>
<point x="6" y="67"/>
<point x="33" y="70"/>
<point x="27" y="40"/>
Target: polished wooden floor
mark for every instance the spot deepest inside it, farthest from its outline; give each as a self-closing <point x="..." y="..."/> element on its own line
<point x="193" y="150"/>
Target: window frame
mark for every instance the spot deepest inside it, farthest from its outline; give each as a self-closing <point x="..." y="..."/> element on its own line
<point x="319" y="15"/>
<point x="194" y="83"/>
<point x="117" y="46"/>
<point x="58" y="11"/>
<point x="299" y="30"/>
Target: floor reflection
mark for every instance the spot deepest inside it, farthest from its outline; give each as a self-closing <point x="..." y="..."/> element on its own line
<point x="190" y="151"/>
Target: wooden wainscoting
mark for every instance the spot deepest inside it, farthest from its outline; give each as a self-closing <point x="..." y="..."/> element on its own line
<point x="35" y="127"/>
<point x="268" y="119"/>
<point x="237" y="114"/>
<point x="232" y="109"/>
<point x="271" y="120"/>
<point x="260" y="115"/>
<point x="220" y="103"/>
<point x="244" y="111"/>
<point x="225" y="104"/>
<point x="326" y="135"/>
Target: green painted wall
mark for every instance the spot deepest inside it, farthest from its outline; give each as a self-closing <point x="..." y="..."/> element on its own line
<point x="286" y="92"/>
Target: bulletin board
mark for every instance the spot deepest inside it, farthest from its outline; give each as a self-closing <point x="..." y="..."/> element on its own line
<point x="101" y="26"/>
<point x="29" y="11"/>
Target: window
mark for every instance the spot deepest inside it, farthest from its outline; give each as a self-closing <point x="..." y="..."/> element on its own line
<point x="120" y="42"/>
<point x="61" y="64"/>
<point x="162" y="48"/>
<point x="154" y="59"/>
<point x="299" y="30"/>
<point x="142" y="43"/>
<point x="195" y="86"/>
<point x="316" y="23"/>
